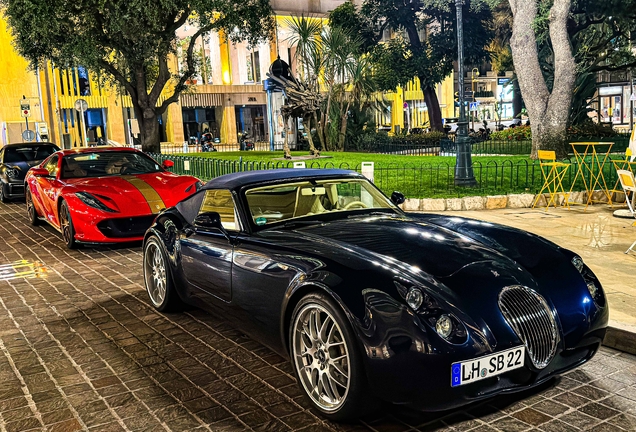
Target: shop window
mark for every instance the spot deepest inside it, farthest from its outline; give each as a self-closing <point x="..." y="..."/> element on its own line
<point x="257" y="66"/>
<point x="250" y="68"/>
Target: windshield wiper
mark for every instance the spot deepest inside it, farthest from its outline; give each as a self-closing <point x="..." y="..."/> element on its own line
<point x="390" y="212"/>
<point x="302" y="222"/>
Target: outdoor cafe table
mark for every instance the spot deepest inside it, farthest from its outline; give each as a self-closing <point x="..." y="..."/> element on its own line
<point x="591" y="158"/>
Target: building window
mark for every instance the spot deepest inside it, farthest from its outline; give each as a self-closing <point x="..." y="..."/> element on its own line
<point x="84" y="83"/>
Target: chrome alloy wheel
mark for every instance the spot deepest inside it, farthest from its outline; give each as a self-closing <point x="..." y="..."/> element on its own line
<point x="30" y="206"/>
<point x="65" y="224"/>
<point x="155" y="274"/>
<point x="321" y="357"/>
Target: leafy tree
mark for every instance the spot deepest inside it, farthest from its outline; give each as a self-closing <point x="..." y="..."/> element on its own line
<point x="330" y="61"/>
<point x="559" y="47"/>
<point x="425" y="45"/>
<point x="131" y="41"/>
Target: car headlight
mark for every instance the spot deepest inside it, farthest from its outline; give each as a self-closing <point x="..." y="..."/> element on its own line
<point x="93" y="201"/>
<point x="593" y="285"/>
<point x="414" y="298"/>
<point x="444" y="326"/>
<point x="12" y="173"/>
<point x="577" y="262"/>
<point x="437" y="317"/>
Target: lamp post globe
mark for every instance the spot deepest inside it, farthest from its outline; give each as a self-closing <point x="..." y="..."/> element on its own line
<point x="464" y="175"/>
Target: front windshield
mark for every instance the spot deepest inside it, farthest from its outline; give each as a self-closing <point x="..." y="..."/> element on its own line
<point x="280" y="202"/>
<point x="28" y="153"/>
<point x="107" y="163"/>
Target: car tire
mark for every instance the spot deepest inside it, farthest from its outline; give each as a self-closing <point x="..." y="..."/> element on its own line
<point x="158" y="278"/>
<point x="66" y="226"/>
<point x="32" y="213"/>
<point x="328" y="364"/>
<point x="3" y="197"/>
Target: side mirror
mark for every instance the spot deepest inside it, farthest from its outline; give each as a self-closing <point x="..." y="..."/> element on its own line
<point x="397" y="198"/>
<point x="211" y="220"/>
<point x="39" y="172"/>
<point x="208" y="220"/>
<point x="167" y="164"/>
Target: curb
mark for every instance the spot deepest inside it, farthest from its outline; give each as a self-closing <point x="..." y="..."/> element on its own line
<point x="492" y="202"/>
<point x="621" y="337"/>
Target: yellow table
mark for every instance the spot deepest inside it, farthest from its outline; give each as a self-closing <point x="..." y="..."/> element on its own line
<point x="591" y="171"/>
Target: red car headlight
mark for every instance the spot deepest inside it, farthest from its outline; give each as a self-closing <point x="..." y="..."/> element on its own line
<point x="93" y="201"/>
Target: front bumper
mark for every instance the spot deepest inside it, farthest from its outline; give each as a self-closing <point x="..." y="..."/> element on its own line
<point x="409" y="364"/>
<point x="96" y="226"/>
<point x="422" y="381"/>
<point x="13" y="189"/>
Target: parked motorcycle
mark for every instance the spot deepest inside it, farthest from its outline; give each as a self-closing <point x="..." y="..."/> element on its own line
<point x="244" y="142"/>
<point x="207" y="142"/>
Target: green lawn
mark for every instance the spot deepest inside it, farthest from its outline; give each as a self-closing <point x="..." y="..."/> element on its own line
<point x="415" y="176"/>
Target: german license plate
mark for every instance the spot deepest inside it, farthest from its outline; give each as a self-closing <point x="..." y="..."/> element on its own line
<point x="481" y="368"/>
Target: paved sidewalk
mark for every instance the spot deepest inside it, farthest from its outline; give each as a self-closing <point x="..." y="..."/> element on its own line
<point x="81" y="348"/>
<point x="596" y="235"/>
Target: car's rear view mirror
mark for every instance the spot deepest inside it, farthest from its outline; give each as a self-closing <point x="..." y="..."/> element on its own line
<point x="306" y="191"/>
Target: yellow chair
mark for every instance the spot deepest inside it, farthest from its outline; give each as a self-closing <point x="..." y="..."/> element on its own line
<point x="553" y="175"/>
<point x="629" y="187"/>
<point x="622" y="165"/>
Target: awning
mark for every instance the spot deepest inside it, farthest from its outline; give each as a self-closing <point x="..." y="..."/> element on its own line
<point x="205" y="100"/>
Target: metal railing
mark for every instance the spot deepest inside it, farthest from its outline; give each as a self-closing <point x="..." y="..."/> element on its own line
<point x="174" y="148"/>
<point x="414" y="180"/>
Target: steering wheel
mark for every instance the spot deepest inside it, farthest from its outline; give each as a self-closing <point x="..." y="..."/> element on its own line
<point x="126" y="168"/>
<point x="359" y="204"/>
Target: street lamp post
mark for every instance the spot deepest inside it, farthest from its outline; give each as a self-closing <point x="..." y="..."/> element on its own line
<point x="464" y="165"/>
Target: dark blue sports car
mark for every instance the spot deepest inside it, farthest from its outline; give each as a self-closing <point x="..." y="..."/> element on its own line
<point x="370" y="302"/>
<point x="15" y="161"/>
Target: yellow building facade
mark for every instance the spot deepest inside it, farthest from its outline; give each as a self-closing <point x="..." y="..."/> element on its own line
<point x="225" y="98"/>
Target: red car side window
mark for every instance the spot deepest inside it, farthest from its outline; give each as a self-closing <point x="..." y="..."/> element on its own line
<point x="52" y="166"/>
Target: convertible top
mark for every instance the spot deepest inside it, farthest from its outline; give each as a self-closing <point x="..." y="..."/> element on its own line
<point x="237" y="180"/>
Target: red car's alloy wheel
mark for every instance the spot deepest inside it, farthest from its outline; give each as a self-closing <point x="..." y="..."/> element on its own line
<point x="31" y="212"/>
<point x="66" y="225"/>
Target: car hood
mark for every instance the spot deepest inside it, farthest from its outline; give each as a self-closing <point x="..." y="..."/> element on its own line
<point x="414" y="245"/>
<point x="463" y="269"/>
<point x="138" y="194"/>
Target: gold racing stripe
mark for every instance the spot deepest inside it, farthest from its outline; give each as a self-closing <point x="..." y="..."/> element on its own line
<point x="153" y="199"/>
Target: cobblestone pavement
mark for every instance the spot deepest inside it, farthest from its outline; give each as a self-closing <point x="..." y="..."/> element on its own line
<point x="82" y="349"/>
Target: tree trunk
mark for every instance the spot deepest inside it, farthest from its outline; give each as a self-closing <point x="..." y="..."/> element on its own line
<point x="312" y="148"/>
<point x="434" y="111"/>
<point x="343" y="128"/>
<point x="517" y="99"/>
<point x="286" y="150"/>
<point x="548" y="112"/>
<point x="149" y="130"/>
<point x="320" y="132"/>
<point x="325" y="123"/>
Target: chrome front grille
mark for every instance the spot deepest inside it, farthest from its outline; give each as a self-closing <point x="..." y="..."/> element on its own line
<point x="531" y="318"/>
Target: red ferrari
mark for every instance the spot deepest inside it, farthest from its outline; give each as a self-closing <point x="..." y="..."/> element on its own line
<point x="102" y="195"/>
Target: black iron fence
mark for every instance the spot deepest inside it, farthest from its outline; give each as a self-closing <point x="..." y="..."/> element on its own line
<point x="174" y="148"/>
<point x="414" y="180"/>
